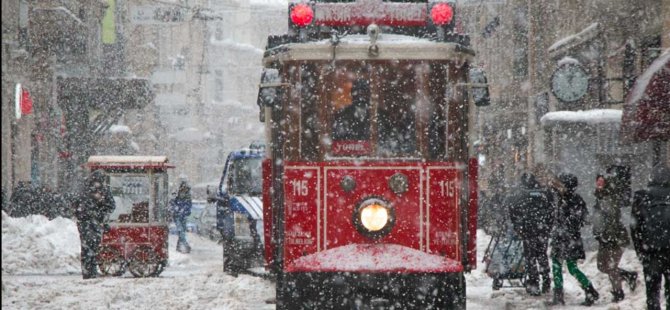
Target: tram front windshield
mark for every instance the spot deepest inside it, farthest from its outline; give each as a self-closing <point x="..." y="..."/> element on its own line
<point x="374" y="108"/>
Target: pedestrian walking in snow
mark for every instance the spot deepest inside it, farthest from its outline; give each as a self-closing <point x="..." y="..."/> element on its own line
<point x="531" y="213"/>
<point x="611" y="235"/>
<point x="92" y="208"/>
<point x="650" y="232"/>
<point x="180" y="207"/>
<point x="566" y="241"/>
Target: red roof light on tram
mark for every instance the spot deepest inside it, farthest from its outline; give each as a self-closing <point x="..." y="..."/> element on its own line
<point x="302" y="15"/>
<point x="441" y="14"/>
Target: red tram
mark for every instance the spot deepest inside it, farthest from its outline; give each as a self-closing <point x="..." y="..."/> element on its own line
<point x="370" y="192"/>
<point x="138" y="237"/>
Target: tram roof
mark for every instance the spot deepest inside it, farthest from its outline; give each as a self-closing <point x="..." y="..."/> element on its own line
<point x="356" y="47"/>
<point x="123" y="161"/>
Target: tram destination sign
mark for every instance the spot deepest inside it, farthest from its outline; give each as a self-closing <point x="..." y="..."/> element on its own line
<point x="370" y="11"/>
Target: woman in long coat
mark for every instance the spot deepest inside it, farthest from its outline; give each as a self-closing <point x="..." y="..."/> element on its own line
<point x="566" y="244"/>
<point x="611" y="234"/>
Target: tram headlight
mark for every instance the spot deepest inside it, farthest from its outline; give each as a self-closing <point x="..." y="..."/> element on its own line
<point x="374" y="218"/>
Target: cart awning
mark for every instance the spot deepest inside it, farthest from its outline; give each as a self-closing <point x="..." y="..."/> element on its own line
<point x="128" y="162"/>
<point x="646" y="112"/>
<point x="251" y="206"/>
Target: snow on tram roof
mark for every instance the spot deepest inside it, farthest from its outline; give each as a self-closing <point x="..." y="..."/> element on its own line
<point x="126" y="159"/>
<point x="384" y="37"/>
<point x="391" y="46"/>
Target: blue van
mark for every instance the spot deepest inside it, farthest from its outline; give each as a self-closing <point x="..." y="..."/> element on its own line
<point x="239" y="209"/>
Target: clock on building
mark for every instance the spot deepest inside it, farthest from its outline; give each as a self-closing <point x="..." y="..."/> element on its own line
<point x="570" y="82"/>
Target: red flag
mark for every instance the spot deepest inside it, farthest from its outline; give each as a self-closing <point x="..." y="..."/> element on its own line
<point x="26" y="102"/>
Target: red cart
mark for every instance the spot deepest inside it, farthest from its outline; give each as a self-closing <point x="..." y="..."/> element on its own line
<point x="138" y="235"/>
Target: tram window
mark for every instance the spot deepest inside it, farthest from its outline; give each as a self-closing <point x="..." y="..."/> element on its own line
<point x="351" y="103"/>
<point x="309" y="98"/>
<point x="396" y="115"/>
<point x="437" y="127"/>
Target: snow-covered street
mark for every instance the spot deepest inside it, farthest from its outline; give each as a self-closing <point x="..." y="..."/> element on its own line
<point x="40" y="270"/>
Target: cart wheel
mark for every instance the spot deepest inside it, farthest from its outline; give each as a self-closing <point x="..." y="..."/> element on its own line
<point x="145" y="263"/>
<point x="111" y="262"/>
<point x="497" y="284"/>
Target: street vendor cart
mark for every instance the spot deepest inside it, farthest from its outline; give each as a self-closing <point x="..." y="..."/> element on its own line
<point x="137" y="239"/>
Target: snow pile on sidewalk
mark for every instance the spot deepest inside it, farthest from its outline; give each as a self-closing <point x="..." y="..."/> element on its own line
<point x="35" y="245"/>
<point x="41" y="270"/>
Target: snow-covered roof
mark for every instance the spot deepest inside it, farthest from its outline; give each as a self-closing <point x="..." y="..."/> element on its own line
<point x="568" y="42"/>
<point x="596" y="116"/>
<point x="109" y="159"/>
<point x="643" y="80"/>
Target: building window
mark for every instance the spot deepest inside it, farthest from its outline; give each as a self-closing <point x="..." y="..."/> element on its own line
<point x="23" y="24"/>
<point x="218" y="32"/>
<point x="218" y="85"/>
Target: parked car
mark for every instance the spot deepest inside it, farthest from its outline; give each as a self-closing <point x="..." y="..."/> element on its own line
<point x="206" y="222"/>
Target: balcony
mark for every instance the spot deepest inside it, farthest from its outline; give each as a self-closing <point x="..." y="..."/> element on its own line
<point x="105" y="94"/>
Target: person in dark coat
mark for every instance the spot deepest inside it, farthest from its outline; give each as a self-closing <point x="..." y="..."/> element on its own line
<point x="353" y="121"/>
<point x="566" y="241"/>
<point x="5" y="203"/>
<point x="650" y="231"/>
<point x="92" y="208"/>
<point x="181" y="209"/>
<point x="611" y="235"/>
<point x="531" y="213"/>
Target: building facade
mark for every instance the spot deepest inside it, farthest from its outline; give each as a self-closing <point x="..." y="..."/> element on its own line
<point x="236" y="44"/>
<point x="62" y="53"/>
<point x="521" y="44"/>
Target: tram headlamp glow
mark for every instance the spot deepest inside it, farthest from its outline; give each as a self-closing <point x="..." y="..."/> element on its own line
<point x="374" y="217"/>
